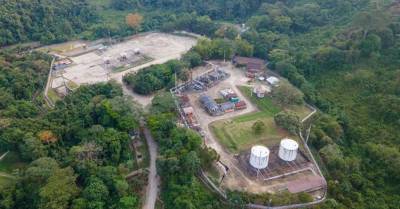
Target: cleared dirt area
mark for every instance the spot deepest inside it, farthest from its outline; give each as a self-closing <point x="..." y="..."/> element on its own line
<point x="154" y="48"/>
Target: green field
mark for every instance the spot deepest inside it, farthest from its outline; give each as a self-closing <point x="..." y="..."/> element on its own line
<point x="236" y="134"/>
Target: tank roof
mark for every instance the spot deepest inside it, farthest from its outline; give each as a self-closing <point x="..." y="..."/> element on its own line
<point x="260" y="151"/>
<point x="289" y="144"/>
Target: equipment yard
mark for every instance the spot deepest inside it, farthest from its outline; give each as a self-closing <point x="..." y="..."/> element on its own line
<point x="207" y="104"/>
<point x="82" y="62"/>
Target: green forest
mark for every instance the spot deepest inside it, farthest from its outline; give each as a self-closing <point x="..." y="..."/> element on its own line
<point x="77" y="154"/>
<point x="342" y="54"/>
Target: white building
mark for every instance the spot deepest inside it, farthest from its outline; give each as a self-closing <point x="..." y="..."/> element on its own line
<point x="274" y="81"/>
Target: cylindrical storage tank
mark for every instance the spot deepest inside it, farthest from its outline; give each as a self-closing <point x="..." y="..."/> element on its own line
<point x="288" y="149"/>
<point x="259" y="157"/>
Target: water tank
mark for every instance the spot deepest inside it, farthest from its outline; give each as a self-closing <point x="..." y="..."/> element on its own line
<point x="288" y="149"/>
<point x="259" y="157"/>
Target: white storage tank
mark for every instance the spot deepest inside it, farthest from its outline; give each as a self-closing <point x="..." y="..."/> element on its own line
<point x="259" y="157"/>
<point x="288" y="149"/>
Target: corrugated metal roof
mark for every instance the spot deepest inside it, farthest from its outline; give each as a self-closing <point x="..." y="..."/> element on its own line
<point x="248" y="60"/>
<point x="227" y="106"/>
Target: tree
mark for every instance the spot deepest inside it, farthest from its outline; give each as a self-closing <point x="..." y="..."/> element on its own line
<point x="258" y="127"/>
<point x="96" y="193"/>
<point x="279" y="55"/>
<point x="134" y="20"/>
<point x="163" y="102"/>
<point x="371" y="44"/>
<point x="41" y="169"/>
<point x="243" y="48"/>
<point x="207" y="157"/>
<point x="289" y="121"/>
<point x="47" y="136"/>
<point x="191" y="162"/>
<point x="124" y="4"/>
<point x="128" y="202"/>
<point x="286" y="94"/>
<point x="227" y="31"/>
<point x="59" y="191"/>
<point x="32" y="148"/>
<point x="192" y="58"/>
<point x="372" y="20"/>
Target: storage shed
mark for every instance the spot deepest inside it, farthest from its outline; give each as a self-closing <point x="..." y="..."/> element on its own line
<point x="240" y="105"/>
<point x="210" y="105"/>
<point x="274" y="81"/>
<point x="227" y="107"/>
<point x="261" y="90"/>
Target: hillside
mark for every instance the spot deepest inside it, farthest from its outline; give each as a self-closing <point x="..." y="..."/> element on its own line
<point x="343" y="55"/>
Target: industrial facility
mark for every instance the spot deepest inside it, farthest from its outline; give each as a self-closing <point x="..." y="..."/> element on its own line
<point x="215" y="96"/>
<point x="283" y="161"/>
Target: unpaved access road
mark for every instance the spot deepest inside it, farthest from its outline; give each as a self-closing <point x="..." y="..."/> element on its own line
<point x="153" y="179"/>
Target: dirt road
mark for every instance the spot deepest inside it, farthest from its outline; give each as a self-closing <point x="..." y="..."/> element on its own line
<point x="153" y="178"/>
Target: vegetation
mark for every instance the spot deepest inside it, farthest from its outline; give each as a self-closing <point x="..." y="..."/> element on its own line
<point x="289" y="121"/>
<point x="77" y="154"/>
<point x="286" y="94"/>
<point x="181" y="157"/>
<point x="343" y="55"/>
<point x="45" y="21"/>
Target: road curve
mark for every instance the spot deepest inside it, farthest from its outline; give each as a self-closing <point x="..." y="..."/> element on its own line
<point x="153" y="178"/>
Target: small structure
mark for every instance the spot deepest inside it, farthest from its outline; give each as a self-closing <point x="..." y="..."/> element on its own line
<point x="210" y="105"/>
<point x="227" y="107"/>
<point x="62" y="64"/>
<point x="190" y="117"/>
<point x="240" y="105"/>
<point x="288" y="149"/>
<point x="260" y="91"/>
<point x="123" y="56"/>
<point x="306" y="184"/>
<point x="230" y="95"/>
<point x="259" y="157"/>
<point x="188" y="111"/>
<point x="107" y="60"/>
<point x="274" y="81"/>
<point x="226" y="92"/>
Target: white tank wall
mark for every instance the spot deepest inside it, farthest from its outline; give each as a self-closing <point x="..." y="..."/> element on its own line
<point x="259" y="157"/>
<point x="288" y="150"/>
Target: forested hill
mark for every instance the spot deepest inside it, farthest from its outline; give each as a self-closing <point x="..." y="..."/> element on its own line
<point x="43" y="20"/>
<point x="73" y="156"/>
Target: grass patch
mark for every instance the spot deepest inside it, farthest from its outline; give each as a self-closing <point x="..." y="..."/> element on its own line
<point x="237" y="135"/>
<point x="72" y="85"/>
<point x="53" y="96"/>
<point x="264" y="104"/>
